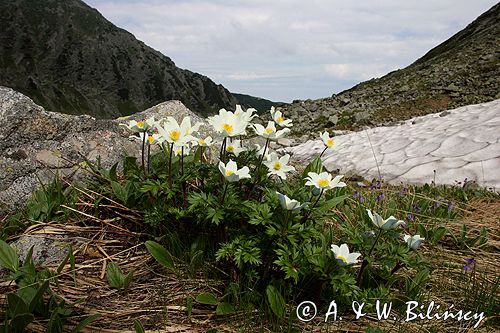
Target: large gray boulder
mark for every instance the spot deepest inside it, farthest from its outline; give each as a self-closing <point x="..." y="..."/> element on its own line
<point x="36" y="145"/>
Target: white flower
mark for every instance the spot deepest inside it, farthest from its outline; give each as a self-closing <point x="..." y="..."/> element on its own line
<point x="278" y="166"/>
<point x="231" y="173"/>
<point x="140" y="126"/>
<point x="289" y="204"/>
<point x="260" y="150"/>
<point x="270" y="132"/>
<point x="234" y="147"/>
<point x="389" y="223"/>
<point x="207" y="142"/>
<point x="247" y="115"/>
<point x="152" y="139"/>
<point x="178" y="150"/>
<point x="327" y="140"/>
<point x="228" y="124"/>
<point x="324" y="181"/>
<point x="413" y="242"/>
<point x="343" y="256"/>
<point x="280" y="119"/>
<point x="177" y="134"/>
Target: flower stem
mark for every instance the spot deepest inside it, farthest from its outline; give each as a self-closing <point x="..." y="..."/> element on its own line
<point x="224" y="193"/>
<point x="170" y="165"/>
<point x="223" y="150"/>
<point x="257" y="168"/>
<point x="304" y="219"/>
<point x="149" y="154"/>
<point x="320" y="155"/>
<point x="365" y="262"/>
<point x="143" y="149"/>
<point x="182" y="174"/>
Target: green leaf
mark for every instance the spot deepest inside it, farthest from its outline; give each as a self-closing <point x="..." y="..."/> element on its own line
<point x="160" y="254"/>
<point x="82" y="324"/>
<point x="333" y="202"/>
<point x="128" y="280"/>
<point x="276" y="301"/>
<point x="206" y="298"/>
<point x="112" y="172"/>
<point x="120" y="191"/>
<point x="115" y="276"/>
<point x="15" y="305"/>
<point x="55" y="324"/>
<point x="315" y="166"/>
<point x="8" y="257"/>
<point x="189" y="306"/>
<point x="138" y="327"/>
<point x="224" y="308"/>
<point x="20" y="322"/>
<point x="38" y="297"/>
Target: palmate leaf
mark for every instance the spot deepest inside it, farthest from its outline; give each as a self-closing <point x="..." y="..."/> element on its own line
<point x="315" y="166"/>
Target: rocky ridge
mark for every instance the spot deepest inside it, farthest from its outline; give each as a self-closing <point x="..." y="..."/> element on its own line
<point x="463" y="70"/>
<point x="68" y="58"/>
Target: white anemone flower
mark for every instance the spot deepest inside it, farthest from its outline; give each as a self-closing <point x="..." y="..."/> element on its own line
<point x="343" y="256"/>
<point x="207" y="142"/>
<point x="289" y="204"/>
<point x="278" y="166"/>
<point x="177" y="134"/>
<point x="414" y="242"/>
<point x="270" y="131"/>
<point x="151" y="138"/>
<point x="139" y="126"/>
<point x="231" y="172"/>
<point x="324" y="181"/>
<point x="234" y="147"/>
<point x="181" y="150"/>
<point x="247" y="115"/>
<point x="260" y="151"/>
<point x="390" y="223"/>
<point x="327" y="140"/>
<point x="279" y="118"/>
<point x="228" y="124"/>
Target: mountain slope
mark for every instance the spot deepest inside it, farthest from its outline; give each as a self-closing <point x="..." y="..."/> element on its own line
<point x="68" y="58"/>
<point x="463" y="70"/>
<point x="260" y="104"/>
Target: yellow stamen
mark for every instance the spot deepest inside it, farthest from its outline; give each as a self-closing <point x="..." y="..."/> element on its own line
<point x="228" y="128"/>
<point x="201" y="142"/>
<point x="330" y="143"/>
<point x="323" y="182"/>
<point x="344" y="259"/>
<point x="229" y="173"/>
<point x="175" y="135"/>
<point x="280" y="120"/>
<point x="140" y="124"/>
<point x="269" y="130"/>
<point x="230" y="149"/>
<point x="277" y="166"/>
<point x="151" y="139"/>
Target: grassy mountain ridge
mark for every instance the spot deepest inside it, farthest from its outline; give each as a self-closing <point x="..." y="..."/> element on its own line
<point x="69" y="58"/>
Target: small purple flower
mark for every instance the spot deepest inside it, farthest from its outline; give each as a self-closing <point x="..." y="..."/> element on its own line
<point x="375" y="186"/>
<point x="470" y="262"/>
<point x="403" y="192"/>
<point x="380" y="197"/>
<point x="416" y="208"/>
<point x="358" y="196"/>
<point x="451" y="206"/>
<point x="410" y="217"/>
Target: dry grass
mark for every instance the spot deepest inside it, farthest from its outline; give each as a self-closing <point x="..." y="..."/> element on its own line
<point x="157" y="297"/>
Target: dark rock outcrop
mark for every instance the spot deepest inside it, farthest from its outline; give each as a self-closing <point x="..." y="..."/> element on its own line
<point x="68" y="58"/>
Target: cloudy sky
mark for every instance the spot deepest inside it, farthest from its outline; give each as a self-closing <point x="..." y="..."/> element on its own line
<point x="292" y="49"/>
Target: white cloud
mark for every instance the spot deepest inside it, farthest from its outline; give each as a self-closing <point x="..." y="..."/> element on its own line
<point x="292" y="49"/>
